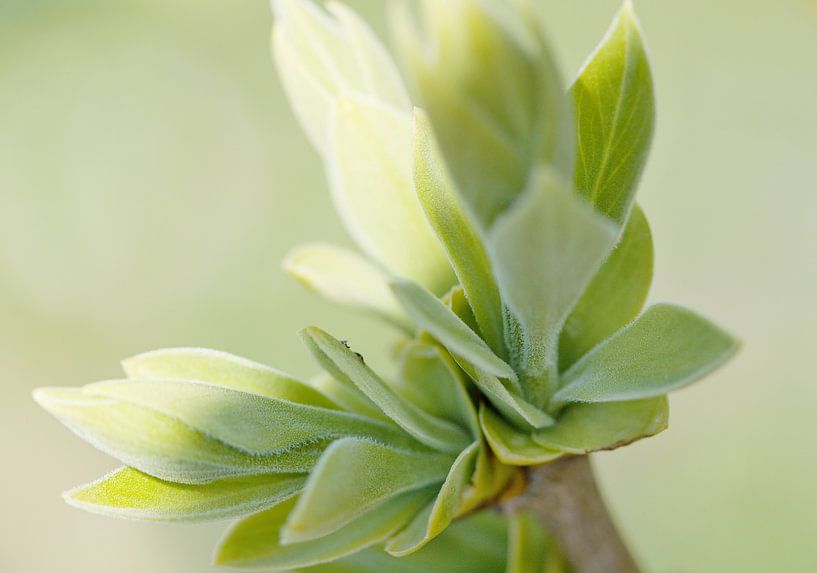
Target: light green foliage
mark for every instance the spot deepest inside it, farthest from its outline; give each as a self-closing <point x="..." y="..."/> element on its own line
<point x="490" y="86"/>
<point x="255" y="543"/>
<point x="222" y="369"/>
<point x="546" y="249"/>
<point x="665" y="349"/>
<point x="515" y="277"/>
<point x="432" y="315"/>
<point x="454" y="225"/>
<point x="345" y="365"/>
<point x="354" y="476"/>
<point x="615" y="296"/>
<point x="344" y="277"/>
<point x="132" y="494"/>
<point x="615" y="116"/>
<point x="370" y="174"/>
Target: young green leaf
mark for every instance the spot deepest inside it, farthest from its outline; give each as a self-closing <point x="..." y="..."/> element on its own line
<point x="320" y="57"/>
<point x="512" y="446"/>
<point x="513" y="407"/>
<point x="546" y="249"/>
<point x="461" y="239"/>
<point x="222" y="369"/>
<point x="614" y="297"/>
<point x="667" y="348"/>
<point x="131" y="494"/>
<point x="432" y="315"/>
<point x="255" y="424"/>
<point x="348" y="396"/>
<point x="345" y="365"/>
<point x="496" y="115"/>
<point x="345" y="278"/>
<point x="160" y="445"/>
<point x="615" y="117"/>
<point x="369" y="165"/>
<point x="437" y="516"/>
<point x="354" y="476"/>
<point x="429" y="378"/>
<point x="585" y="428"/>
<point x="255" y="543"/>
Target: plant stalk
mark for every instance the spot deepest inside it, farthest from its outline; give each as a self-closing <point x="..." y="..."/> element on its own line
<point x="564" y="497"/>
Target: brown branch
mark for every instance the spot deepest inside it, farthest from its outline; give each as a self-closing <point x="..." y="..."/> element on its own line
<point x="564" y="497"/>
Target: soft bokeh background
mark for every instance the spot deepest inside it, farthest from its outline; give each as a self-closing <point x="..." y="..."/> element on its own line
<point x="151" y="178"/>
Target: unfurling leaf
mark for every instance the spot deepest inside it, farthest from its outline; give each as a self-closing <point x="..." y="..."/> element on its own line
<point x="222" y="369"/>
<point x="585" y="428"/>
<point x="344" y="277"/>
<point x="615" y="115"/>
<point x="160" y="445"/>
<point x="348" y="367"/>
<point x="432" y="315"/>
<point x="614" y="297"/>
<point x="546" y="249"/>
<point x="255" y="543"/>
<point x="511" y="445"/>
<point x="667" y="348"/>
<point x="131" y="494"/>
<point x="496" y="115"/>
<point x="320" y="58"/>
<point x="370" y="173"/>
<point x="460" y="237"/>
<point x="354" y="476"/>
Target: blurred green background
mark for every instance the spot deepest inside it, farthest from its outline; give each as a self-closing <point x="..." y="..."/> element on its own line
<point x="151" y="179"/>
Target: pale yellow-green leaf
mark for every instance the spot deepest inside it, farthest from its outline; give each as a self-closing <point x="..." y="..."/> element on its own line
<point x="131" y="494"/>
<point x="161" y="445"/>
<point x="439" y="514"/>
<point x="461" y="239"/>
<point x="370" y="173"/>
<point x="427" y="376"/>
<point x="497" y="114"/>
<point x="255" y="542"/>
<point x="546" y="249"/>
<point x="345" y="278"/>
<point x="585" y="428"/>
<point x="512" y="446"/>
<point x="343" y="364"/>
<point x="321" y="57"/>
<point x="615" y="116"/>
<point x="222" y="369"/>
<point x="432" y="315"/>
<point x="352" y="477"/>
<point x="249" y="422"/>
<point x="666" y="348"/>
<point x="615" y="296"/>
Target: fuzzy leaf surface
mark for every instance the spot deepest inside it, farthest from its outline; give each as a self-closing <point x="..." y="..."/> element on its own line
<point x="254" y="543"/>
<point x="249" y="422"/>
<point x="344" y="365"/>
<point x="615" y="296"/>
<point x="615" y="116"/>
<point x="131" y="494"/>
<point x="160" y="445"/>
<point x="354" y="476"/>
<point x="512" y="446"/>
<point x="370" y="173"/>
<point x="222" y="369"/>
<point x="666" y="348"/>
<point x="546" y="249"/>
<point x="585" y="428"/>
<point x="455" y="228"/>
<point x="433" y="315"/>
<point x="345" y="278"/>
